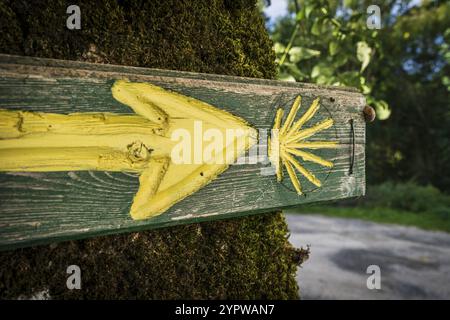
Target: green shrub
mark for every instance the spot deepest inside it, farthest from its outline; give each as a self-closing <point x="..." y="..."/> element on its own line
<point x="408" y="197"/>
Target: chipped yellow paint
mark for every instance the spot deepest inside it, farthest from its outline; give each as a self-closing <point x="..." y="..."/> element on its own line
<point x="285" y="143"/>
<point x="140" y="142"/>
<point x="274" y="151"/>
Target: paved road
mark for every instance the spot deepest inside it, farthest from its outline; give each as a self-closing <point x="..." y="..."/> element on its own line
<point x="414" y="264"/>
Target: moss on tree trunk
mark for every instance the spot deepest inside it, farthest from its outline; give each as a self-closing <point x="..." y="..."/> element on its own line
<point x="239" y="258"/>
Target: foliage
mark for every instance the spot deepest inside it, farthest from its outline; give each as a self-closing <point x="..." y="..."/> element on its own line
<point x="330" y="45"/>
<point x="400" y="203"/>
<point x="414" y="145"/>
<point x="429" y="221"/>
<point x="402" y="68"/>
<point x="239" y="258"/>
<point x="407" y="197"/>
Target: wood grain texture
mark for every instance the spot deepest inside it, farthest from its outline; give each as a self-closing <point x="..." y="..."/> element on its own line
<point x="43" y="207"/>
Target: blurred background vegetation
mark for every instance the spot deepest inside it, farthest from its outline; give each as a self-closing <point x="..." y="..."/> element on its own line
<point x="403" y="70"/>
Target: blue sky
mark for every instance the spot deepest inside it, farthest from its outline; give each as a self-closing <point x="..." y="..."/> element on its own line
<point x="277" y="8"/>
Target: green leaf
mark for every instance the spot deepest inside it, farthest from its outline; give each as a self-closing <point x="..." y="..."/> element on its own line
<point x="340" y="60"/>
<point x="447" y="32"/>
<point x="363" y="52"/>
<point x="382" y="110"/>
<point x="349" y="3"/>
<point x="321" y="70"/>
<point x="362" y="80"/>
<point x="333" y="47"/>
<point x="446" y="82"/>
<point x="300" y="53"/>
<point x="336" y="22"/>
<point x="315" y="72"/>
<point x="365" y="89"/>
<point x="286" y="77"/>
<point x="322" y="79"/>
<point x="316" y="27"/>
<point x="308" y="10"/>
<point x="278" y="47"/>
<point x="350" y="78"/>
<point x="293" y="70"/>
<point x="447" y="56"/>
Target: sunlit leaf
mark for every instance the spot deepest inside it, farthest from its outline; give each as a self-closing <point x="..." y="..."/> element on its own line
<point x="308" y="10"/>
<point x="322" y="79"/>
<point x="286" y="77"/>
<point x="446" y="82"/>
<point x="278" y="47"/>
<point x="333" y="47"/>
<point x="300" y="15"/>
<point x="336" y="22"/>
<point x="363" y="52"/>
<point x="382" y="110"/>
<point x="321" y="70"/>
<point x="447" y="56"/>
<point x="293" y="69"/>
<point x="315" y="72"/>
<point x="365" y="89"/>
<point x="299" y="53"/>
<point x="349" y="3"/>
<point x="316" y="27"/>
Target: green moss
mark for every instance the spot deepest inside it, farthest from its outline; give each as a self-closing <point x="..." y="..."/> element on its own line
<point x="239" y="258"/>
<point x="208" y="36"/>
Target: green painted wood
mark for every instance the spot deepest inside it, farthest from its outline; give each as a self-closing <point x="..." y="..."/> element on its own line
<point x="44" y="207"/>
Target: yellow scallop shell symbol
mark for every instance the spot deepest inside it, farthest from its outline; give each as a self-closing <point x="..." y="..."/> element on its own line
<point x="289" y="139"/>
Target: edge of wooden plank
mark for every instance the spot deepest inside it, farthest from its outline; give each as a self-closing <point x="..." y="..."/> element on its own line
<point x="143" y="227"/>
<point x="72" y="64"/>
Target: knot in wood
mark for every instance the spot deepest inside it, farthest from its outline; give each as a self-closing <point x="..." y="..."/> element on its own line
<point x="138" y="152"/>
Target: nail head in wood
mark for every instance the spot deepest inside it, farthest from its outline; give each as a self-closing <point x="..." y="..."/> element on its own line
<point x="369" y="113"/>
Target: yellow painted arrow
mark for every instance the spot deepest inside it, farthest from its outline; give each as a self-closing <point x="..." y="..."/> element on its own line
<point x="140" y="142"/>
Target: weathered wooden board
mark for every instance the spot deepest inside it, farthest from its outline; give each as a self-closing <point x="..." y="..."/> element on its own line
<point x="40" y="207"/>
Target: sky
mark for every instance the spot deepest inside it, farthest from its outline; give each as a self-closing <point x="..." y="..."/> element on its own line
<point x="277" y="8"/>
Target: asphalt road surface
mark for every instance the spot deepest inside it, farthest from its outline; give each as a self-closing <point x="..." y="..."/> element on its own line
<point x="413" y="263"/>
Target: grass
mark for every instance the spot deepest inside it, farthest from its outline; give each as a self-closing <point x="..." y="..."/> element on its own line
<point x="426" y="220"/>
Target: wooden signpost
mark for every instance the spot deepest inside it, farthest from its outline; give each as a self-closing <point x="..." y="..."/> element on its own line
<point x="89" y="149"/>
